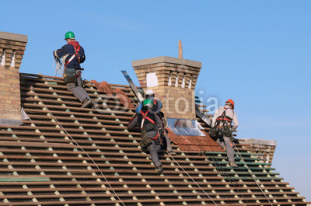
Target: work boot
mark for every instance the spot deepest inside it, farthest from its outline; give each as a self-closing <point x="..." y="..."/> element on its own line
<point x="171" y="152"/>
<point x="86" y="103"/>
<point x="203" y="153"/>
<point x="232" y="164"/>
<point x="93" y="105"/>
<point x="160" y="169"/>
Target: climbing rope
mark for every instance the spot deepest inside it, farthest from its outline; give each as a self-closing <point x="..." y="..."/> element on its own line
<point x="31" y="87"/>
<point x="192" y="178"/>
<point x="57" y="66"/>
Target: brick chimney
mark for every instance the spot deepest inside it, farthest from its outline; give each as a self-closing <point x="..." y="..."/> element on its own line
<point x="12" y="47"/>
<point x="173" y="81"/>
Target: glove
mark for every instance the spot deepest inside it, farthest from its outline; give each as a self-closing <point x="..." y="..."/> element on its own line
<point x="57" y="60"/>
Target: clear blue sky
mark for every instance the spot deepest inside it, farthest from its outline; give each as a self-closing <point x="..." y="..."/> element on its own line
<point x="255" y="52"/>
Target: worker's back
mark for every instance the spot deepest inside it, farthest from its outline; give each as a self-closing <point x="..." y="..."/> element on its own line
<point x="148" y="121"/>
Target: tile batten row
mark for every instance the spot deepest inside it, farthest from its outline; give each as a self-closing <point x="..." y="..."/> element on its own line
<point x="39" y="151"/>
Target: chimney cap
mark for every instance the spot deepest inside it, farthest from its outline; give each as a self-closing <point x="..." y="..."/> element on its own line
<point x="167" y="59"/>
<point x="12" y="36"/>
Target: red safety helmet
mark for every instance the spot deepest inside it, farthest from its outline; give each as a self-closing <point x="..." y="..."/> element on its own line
<point x="231" y="102"/>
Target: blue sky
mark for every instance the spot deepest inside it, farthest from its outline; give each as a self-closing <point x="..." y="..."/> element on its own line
<point x="255" y="52"/>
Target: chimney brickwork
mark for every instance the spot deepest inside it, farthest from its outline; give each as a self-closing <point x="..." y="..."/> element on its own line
<point x="176" y="81"/>
<point x="12" y="47"/>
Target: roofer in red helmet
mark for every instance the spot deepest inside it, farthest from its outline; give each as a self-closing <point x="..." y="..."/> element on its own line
<point x="222" y="128"/>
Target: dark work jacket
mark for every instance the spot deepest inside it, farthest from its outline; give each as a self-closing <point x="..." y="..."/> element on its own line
<point x="138" y="118"/>
<point x="66" y="53"/>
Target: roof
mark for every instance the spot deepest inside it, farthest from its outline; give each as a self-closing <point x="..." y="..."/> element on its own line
<point x="68" y="155"/>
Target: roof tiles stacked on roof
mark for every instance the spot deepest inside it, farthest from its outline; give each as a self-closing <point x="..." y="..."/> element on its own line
<point x="104" y="165"/>
<point x="195" y="143"/>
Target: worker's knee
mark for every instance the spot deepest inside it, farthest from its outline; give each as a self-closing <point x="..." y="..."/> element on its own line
<point x="70" y="86"/>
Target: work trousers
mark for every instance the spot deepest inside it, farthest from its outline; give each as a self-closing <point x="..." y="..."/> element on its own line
<point x="224" y="141"/>
<point x="154" y="149"/>
<point x="168" y="143"/>
<point x="77" y="90"/>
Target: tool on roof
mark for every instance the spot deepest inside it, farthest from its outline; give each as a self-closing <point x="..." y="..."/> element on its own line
<point x="132" y="85"/>
<point x="200" y="113"/>
<point x="202" y="116"/>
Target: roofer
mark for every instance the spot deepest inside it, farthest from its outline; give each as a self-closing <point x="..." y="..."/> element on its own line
<point x="72" y="55"/>
<point x="151" y="126"/>
<point x="222" y="128"/>
<point x="157" y="104"/>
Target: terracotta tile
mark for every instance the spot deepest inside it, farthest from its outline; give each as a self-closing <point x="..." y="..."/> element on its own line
<point x="194" y="143"/>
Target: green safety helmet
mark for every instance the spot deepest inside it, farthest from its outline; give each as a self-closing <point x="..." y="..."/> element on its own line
<point x="148" y="103"/>
<point x="70" y="35"/>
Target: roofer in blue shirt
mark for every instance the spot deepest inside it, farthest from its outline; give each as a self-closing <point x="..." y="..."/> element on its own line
<point x="72" y="55"/>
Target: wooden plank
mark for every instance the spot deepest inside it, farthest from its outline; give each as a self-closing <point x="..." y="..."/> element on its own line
<point x="23" y="178"/>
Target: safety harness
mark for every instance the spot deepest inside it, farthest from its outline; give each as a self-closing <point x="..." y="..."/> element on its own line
<point x="145" y="117"/>
<point x="77" y="47"/>
<point x="223" y="118"/>
<point x="70" y="75"/>
<point x="225" y="128"/>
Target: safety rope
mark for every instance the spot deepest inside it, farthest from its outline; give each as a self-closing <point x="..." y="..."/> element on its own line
<point x="57" y="66"/>
<point x="192" y="178"/>
<point x="251" y="173"/>
<point x="31" y="87"/>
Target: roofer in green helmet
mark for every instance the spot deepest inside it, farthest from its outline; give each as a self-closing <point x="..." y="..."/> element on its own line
<point x="150" y="126"/>
<point x="69" y="35"/>
<point x="72" y="55"/>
